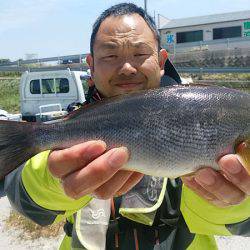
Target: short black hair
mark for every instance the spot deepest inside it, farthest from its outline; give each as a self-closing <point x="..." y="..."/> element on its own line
<point x="120" y="10"/>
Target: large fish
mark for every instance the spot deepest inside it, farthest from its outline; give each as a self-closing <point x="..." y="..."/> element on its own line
<point x="169" y="131"/>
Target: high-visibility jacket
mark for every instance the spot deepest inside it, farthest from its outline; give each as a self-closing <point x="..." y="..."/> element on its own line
<point x="183" y="220"/>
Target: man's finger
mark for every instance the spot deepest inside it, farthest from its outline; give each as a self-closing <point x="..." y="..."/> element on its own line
<point x="96" y="173"/>
<point x="109" y="188"/>
<point x="191" y="183"/>
<point x="235" y="172"/>
<point x="132" y="181"/>
<point x="219" y="186"/>
<point x="63" y="162"/>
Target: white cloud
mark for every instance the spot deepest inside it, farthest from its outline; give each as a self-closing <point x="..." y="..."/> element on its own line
<point x="16" y="13"/>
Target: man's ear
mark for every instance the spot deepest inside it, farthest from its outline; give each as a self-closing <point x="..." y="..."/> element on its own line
<point x="163" y="56"/>
<point x="90" y="62"/>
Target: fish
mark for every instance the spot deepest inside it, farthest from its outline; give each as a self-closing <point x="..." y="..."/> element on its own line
<point x="169" y="131"/>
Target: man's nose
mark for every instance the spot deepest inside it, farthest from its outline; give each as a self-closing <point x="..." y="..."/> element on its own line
<point x="127" y="69"/>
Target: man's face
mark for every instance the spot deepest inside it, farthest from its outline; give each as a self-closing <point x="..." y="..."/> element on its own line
<point x="126" y="56"/>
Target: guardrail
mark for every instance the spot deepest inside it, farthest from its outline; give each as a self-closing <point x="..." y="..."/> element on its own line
<point x="75" y="66"/>
<point x="78" y="57"/>
<point x="213" y="70"/>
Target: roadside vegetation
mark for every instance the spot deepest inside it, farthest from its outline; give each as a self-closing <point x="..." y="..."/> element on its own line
<point x="28" y="230"/>
<point x="9" y="95"/>
<point x="220" y="77"/>
<point x="230" y="80"/>
<point x="10" y="74"/>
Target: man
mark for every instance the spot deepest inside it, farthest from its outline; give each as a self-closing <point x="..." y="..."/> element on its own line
<point x="77" y="183"/>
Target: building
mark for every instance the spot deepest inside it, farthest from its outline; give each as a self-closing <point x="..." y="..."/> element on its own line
<point x="211" y="32"/>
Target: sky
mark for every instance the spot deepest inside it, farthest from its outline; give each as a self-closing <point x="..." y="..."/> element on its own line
<point x="63" y="27"/>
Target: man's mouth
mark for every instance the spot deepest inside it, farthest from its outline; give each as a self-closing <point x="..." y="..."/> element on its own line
<point x="129" y="85"/>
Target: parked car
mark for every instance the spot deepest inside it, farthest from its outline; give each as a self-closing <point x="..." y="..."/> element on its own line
<point x="51" y="92"/>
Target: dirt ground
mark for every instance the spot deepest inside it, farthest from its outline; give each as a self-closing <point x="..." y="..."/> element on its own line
<point x="9" y="239"/>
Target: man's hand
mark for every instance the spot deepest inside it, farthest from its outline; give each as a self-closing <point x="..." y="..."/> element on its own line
<point x="88" y="168"/>
<point x="223" y="188"/>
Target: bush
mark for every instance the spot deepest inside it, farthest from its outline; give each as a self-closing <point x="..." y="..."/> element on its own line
<point x="9" y="95"/>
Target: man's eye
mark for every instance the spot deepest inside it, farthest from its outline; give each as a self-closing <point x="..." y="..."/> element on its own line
<point x="141" y="54"/>
<point x="109" y="57"/>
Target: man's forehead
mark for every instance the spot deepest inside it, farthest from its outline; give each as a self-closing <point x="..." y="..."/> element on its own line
<point x="109" y="44"/>
<point x="125" y="24"/>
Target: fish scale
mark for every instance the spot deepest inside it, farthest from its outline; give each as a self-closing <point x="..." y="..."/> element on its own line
<point x="169" y="132"/>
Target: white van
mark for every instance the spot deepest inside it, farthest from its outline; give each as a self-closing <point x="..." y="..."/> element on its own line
<point x="52" y="90"/>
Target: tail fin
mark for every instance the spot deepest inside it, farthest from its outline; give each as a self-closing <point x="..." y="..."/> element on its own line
<point x="16" y="145"/>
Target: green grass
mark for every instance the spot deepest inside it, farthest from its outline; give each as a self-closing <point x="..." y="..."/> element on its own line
<point x="9" y="95"/>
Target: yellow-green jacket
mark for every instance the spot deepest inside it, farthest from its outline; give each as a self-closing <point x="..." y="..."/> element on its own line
<point x="183" y="219"/>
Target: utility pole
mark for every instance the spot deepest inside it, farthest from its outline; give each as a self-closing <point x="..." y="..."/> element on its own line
<point x="145" y="5"/>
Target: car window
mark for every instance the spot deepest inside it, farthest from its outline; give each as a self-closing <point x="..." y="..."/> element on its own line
<point x="35" y="87"/>
<point x="48" y="86"/>
<point x="62" y="85"/>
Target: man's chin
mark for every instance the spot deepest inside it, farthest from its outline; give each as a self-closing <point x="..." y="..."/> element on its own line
<point x="120" y="90"/>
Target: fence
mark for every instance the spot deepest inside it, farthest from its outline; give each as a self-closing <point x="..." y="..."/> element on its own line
<point x="219" y="44"/>
<point x="239" y="57"/>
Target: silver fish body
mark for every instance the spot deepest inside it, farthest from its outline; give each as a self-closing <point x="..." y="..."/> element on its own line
<point x="169" y="132"/>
